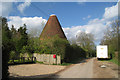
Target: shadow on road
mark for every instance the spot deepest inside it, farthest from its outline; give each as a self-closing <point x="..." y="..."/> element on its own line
<point x="35" y="77"/>
<point x="15" y="63"/>
<point x="81" y="60"/>
<point x="63" y="78"/>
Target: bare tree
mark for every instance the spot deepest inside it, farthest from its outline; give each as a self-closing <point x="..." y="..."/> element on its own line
<point x="112" y="36"/>
<point x="86" y="41"/>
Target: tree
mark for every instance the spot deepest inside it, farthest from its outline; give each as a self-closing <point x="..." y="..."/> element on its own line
<point x="86" y="41"/>
<point x="74" y="52"/>
<point x="30" y="47"/>
<point x="59" y="46"/>
<point x="21" y="38"/>
<point x="54" y="45"/>
<point x="13" y="30"/>
<point x="112" y="37"/>
<point x="6" y="47"/>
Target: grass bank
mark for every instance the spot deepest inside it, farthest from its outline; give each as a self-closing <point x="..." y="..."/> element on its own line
<point x="16" y="62"/>
<point x="114" y="60"/>
<point x="72" y="62"/>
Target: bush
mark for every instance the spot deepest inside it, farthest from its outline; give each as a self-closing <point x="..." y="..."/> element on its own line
<point x="54" y="45"/>
<point x="74" y="52"/>
<point x="62" y="47"/>
<point x="12" y="54"/>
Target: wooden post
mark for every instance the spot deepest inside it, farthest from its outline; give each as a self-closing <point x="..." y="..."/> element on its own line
<point x="19" y="59"/>
<point x="32" y="59"/>
<point x="56" y="59"/>
<point x="35" y="58"/>
<point x="13" y="60"/>
<point x="28" y="58"/>
<point x="23" y="59"/>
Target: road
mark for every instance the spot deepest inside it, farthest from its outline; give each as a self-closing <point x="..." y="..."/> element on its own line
<point x="90" y="68"/>
<point x="81" y="70"/>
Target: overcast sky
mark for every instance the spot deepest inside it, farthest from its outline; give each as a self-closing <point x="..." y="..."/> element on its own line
<point x="74" y="17"/>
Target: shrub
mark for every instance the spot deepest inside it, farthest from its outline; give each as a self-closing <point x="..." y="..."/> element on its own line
<point x="54" y="45"/>
<point x="59" y="46"/>
<point x="12" y="54"/>
<point x="74" y="52"/>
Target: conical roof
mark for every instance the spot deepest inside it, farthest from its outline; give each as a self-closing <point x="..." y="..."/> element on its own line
<point x="52" y="28"/>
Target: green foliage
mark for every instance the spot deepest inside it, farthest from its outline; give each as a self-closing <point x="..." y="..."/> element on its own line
<point x="33" y="46"/>
<point x="39" y="62"/>
<point x="114" y="60"/>
<point x="20" y="61"/>
<point x="19" y="38"/>
<point x="74" y="52"/>
<point x="12" y="43"/>
<point x="112" y="37"/>
<point x="6" y="47"/>
<point x="65" y="64"/>
<point x="27" y="49"/>
<point x="54" y="45"/>
<point x="12" y="54"/>
<point x="23" y="40"/>
<point x="86" y="41"/>
<point x="21" y="54"/>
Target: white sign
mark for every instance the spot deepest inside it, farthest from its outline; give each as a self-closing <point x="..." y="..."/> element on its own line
<point x="102" y="51"/>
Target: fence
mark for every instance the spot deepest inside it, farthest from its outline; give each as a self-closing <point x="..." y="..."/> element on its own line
<point x="22" y="60"/>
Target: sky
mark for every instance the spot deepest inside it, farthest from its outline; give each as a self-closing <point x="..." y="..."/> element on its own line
<point x="74" y="17"/>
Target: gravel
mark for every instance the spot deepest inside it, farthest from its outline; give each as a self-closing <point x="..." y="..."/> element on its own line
<point x="33" y="70"/>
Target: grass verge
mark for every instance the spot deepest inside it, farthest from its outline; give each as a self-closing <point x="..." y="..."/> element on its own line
<point x="39" y="62"/>
<point x="72" y="62"/>
<point x="63" y="64"/>
<point x="114" y="60"/>
<point x="19" y="62"/>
